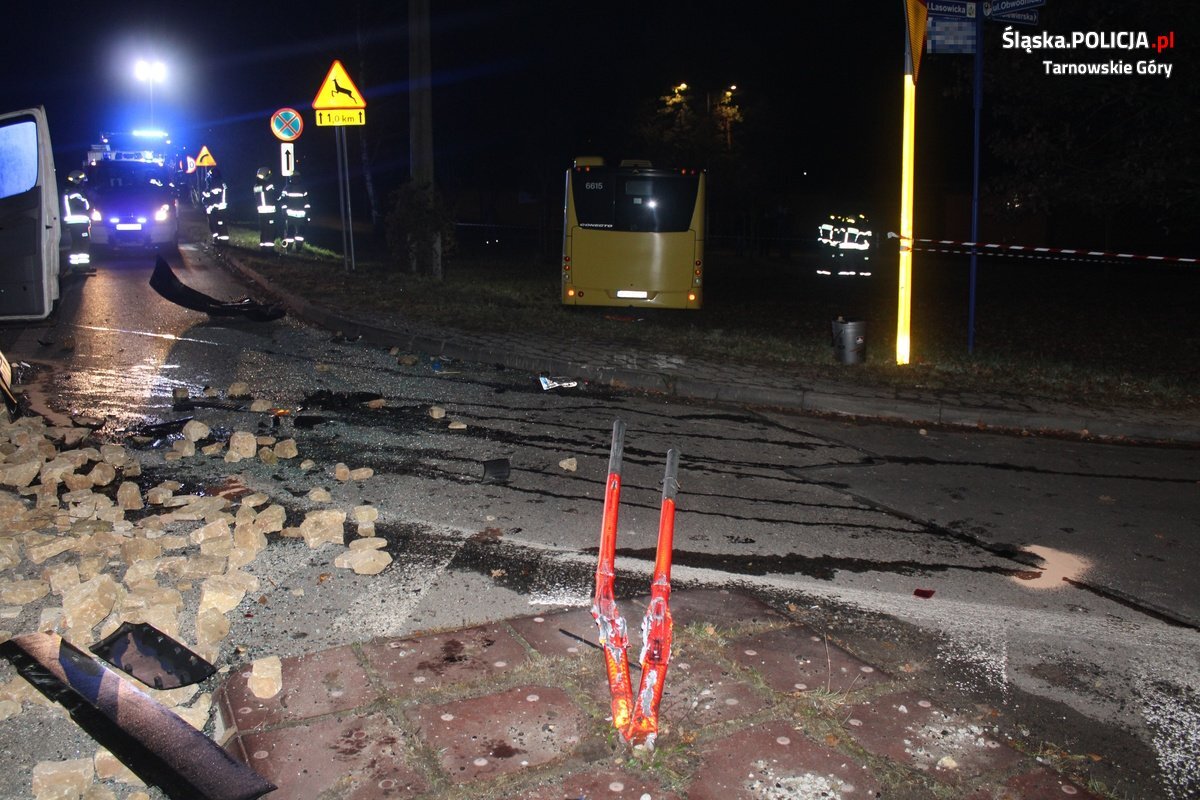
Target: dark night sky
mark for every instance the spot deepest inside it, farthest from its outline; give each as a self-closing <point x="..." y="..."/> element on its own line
<point x="520" y="87"/>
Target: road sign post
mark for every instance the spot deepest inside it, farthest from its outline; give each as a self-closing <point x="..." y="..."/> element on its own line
<point x="340" y="104"/>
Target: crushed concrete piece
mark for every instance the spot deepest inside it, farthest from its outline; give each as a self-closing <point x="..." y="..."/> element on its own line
<point x="98" y="792"/>
<point x="195" y="430"/>
<point x="141" y="573"/>
<point x="286" y="449"/>
<point x="214" y="530"/>
<point x="220" y="593"/>
<point x="179" y="393"/>
<point x="47" y="496"/>
<point x="131" y="470"/>
<point x="307" y="464"/>
<point x="211" y="391"/>
<point x="129" y="496"/>
<point x="50" y="619"/>
<point x="372" y="543"/>
<point x="191" y="567"/>
<point x="103" y="474"/>
<point x="211" y="627"/>
<point x="172" y="455"/>
<point x="366" y="513"/>
<point x="321" y="527"/>
<point x="363" y="562"/>
<point x="407" y="360"/>
<point x="266" y="441"/>
<point x="110" y="768"/>
<point x="437" y="412"/>
<point x="267" y="456"/>
<point x="361" y="474"/>
<point x="456" y="425"/>
<point x="184" y="447"/>
<point x="180" y="695"/>
<point x="366" y="529"/>
<point x="213" y="449"/>
<point x="233" y="457"/>
<point x="53" y="471"/>
<point x="569" y="464"/>
<point x="319" y="494"/>
<point x="20" y="592"/>
<point x="266" y="677"/>
<point x="63" y="778"/>
<point x="243" y="443"/>
<point x="159" y="495"/>
<point x="290" y="533"/>
<point x="250" y="538"/>
<point x="341" y="472"/>
<point x="86" y="605"/>
<point x="239" y="556"/>
<point x="376" y="404"/>
<point x="260" y="405"/>
<point x="138" y="796"/>
<point x="217" y="547"/>
<point x="173" y="542"/>
<point x="238" y="390"/>
<point x="197" y="713"/>
<point x="10" y="553"/>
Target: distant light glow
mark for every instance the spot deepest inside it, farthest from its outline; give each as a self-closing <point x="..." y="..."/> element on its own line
<point x="150" y="71"/>
<point x="150" y="133"/>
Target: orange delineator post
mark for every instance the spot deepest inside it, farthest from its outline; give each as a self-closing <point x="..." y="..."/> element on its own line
<point x="614" y="638"/>
<point x="657" y="625"/>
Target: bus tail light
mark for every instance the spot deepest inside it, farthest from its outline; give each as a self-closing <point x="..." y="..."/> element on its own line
<point x="570" y="292"/>
<point x="691" y="297"/>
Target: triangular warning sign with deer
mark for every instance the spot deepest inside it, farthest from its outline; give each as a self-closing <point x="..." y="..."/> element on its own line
<point x="338" y="91"/>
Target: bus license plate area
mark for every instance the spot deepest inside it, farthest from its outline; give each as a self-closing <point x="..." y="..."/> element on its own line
<point x="632" y="294"/>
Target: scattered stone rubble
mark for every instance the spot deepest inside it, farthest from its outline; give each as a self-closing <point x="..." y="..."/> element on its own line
<point x="72" y="561"/>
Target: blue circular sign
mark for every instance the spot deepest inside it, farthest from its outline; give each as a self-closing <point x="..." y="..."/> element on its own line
<point x="287" y="124"/>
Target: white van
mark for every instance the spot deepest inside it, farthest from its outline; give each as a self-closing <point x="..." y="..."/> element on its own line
<point x="29" y="217"/>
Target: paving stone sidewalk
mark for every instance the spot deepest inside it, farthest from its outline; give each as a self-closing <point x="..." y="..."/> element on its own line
<point x="756" y="706"/>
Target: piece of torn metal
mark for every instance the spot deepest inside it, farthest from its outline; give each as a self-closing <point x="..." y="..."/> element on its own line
<point x="496" y="470"/>
<point x="151" y="656"/>
<point x="10" y="400"/>
<point x="164" y="281"/>
<point x="556" y="383"/>
<point x="149" y="738"/>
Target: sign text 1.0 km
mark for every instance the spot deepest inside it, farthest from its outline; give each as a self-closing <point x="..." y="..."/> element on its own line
<point x="341" y="116"/>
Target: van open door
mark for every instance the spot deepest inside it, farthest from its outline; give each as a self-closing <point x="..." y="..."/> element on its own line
<point x="29" y="217"/>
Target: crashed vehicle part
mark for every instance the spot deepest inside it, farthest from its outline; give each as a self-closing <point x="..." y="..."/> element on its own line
<point x="145" y="735"/>
<point x="153" y="657"/>
<point x="636" y="720"/>
<point x="10" y="400"/>
<point x="164" y="281"/>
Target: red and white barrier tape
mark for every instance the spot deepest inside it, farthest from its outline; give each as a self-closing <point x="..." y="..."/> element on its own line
<point x="1048" y="252"/>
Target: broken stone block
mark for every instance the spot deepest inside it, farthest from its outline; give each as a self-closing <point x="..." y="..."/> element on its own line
<point x="233" y="457"/>
<point x="20" y="592"/>
<point x="266" y="677"/>
<point x="103" y="474"/>
<point x="9" y="709"/>
<point x="109" y="768"/>
<point x="132" y="469"/>
<point x="214" y="530"/>
<point x="366" y="529"/>
<point x="158" y="495"/>
<point x="63" y="778"/>
<point x="197" y="713"/>
<point x="259" y="406"/>
<point x="366" y="513"/>
<point x="129" y="496"/>
<point x="238" y="390"/>
<point x="47" y="496"/>
<point x="217" y="547"/>
<point x="220" y="593"/>
<point x="341" y="472"/>
<point x="363" y="562"/>
<point x="49" y="619"/>
<point x="265" y="441"/>
<point x="184" y="447"/>
<point x="86" y="605"/>
<point x="307" y="464"/>
<point x="19" y="475"/>
<point x="255" y="500"/>
<point x="321" y="527"/>
<point x="286" y="449"/>
<point x="213" y="449"/>
<point x="437" y="412"/>
<point x="240" y="556"/>
<point x="61" y="577"/>
<point x="271" y="519"/>
<point x="135" y="550"/>
<point x="376" y="404"/>
<point x="179" y="393"/>
<point x="45" y="552"/>
<point x="569" y="464"/>
<point x="456" y="425"/>
<point x="211" y="627"/>
<point x="407" y="360"/>
<point x="114" y="454"/>
<point x="195" y="430"/>
<point x="249" y="537"/>
<point x="76" y="482"/>
<point x="319" y="494"/>
<point x="371" y="543"/>
<point x="243" y="443"/>
<point x="267" y="456"/>
<point x="361" y="474"/>
<point x="53" y="471"/>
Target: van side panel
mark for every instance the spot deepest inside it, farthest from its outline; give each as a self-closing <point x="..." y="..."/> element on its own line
<point x="29" y="217"/>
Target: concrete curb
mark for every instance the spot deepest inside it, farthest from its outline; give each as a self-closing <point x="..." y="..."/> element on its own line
<point x="1119" y="425"/>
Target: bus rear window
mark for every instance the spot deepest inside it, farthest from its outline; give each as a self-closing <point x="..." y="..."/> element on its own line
<point x="643" y="203"/>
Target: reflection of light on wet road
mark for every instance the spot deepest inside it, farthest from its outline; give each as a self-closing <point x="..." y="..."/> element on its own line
<point x="123" y="395"/>
<point x="168" y="336"/>
<point x="1058" y="567"/>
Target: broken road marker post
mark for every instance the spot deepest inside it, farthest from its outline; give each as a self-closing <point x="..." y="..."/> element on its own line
<point x="614" y="638"/>
<point x="657" y="625"/>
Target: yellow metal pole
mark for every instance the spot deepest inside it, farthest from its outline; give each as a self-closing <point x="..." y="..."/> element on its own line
<point x="904" y="309"/>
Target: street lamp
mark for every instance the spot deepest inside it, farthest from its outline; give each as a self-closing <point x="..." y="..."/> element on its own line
<point x="150" y="73"/>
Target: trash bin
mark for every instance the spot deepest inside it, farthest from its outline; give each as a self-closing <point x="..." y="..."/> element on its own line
<point x="849" y="340"/>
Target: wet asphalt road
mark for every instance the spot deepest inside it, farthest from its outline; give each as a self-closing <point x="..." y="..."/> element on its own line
<point x="844" y="519"/>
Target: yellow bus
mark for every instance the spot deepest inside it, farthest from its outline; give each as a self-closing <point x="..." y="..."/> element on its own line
<point x="633" y="235"/>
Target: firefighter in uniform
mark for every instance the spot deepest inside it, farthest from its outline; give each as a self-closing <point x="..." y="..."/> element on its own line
<point x="264" y="200"/>
<point x="77" y="216"/>
<point x="215" y="204"/>
<point x="293" y="201"/>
